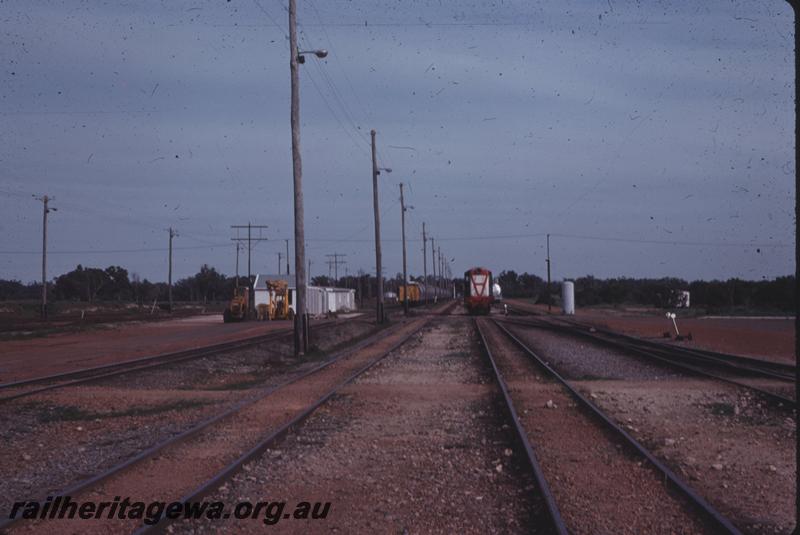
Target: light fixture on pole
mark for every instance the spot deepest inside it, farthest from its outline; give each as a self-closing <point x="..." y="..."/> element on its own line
<point x="297" y="57"/>
<point x="378" y="268"/>
<point x="319" y="53"/>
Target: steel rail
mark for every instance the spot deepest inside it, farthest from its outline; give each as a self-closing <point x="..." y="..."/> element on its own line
<point x="202" y="425"/>
<point x="782" y="401"/>
<point x="142" y="363"/>
<point x="715" y="516"/>
<point x="275" y="436"/>
<point x="773" y="370"/>
<point x="522" y="436"/>
<point x="728" y="362"/>
<point x="776" y="370"/>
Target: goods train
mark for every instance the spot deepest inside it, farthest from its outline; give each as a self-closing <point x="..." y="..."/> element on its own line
<point x="418" y="292"/>
<point x="478" y="296"/>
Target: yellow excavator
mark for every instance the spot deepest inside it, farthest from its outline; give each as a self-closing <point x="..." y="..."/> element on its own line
<point x="279" y="300"/>
<point x="239" y="305"/>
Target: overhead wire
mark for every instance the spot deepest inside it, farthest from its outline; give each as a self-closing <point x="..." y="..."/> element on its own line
<point x="319" y="91"/>
<point x="120" y="251"/>
<point x="332" y="53"/>
<point x="335" y="55"/>
<point x="558" y="235"/>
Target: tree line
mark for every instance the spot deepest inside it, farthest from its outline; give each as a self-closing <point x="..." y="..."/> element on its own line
<point x="115" y="283"/>
<point x="778" y="294"/>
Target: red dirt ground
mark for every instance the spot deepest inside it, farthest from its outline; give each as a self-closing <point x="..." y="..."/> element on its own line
<point x="35" y="357"/>
<point x="768" y="338"/>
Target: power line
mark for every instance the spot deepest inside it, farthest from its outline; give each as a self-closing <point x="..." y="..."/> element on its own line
<point x="330" y="82"/>
<point x="672" y="242"/>
<point x="368" y="24"/>
<point x="334" y="262"/>
<point x="446" y="239"/>
<point x="270" y="17"/>
<point x="120" y="251"/>
<point x="575" y="236"/>
<point x="344" y="71"/>
<point x="76" y="112"/>
<point x="316" y="85"/>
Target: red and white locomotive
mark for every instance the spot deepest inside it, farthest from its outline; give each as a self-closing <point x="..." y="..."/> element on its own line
<point x="478" y="290"/>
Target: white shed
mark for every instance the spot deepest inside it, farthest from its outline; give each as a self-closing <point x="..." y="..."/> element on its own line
<point x="319" y="300"/>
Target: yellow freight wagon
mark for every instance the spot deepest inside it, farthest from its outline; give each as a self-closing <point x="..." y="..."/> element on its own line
<point x="413" y="293"/>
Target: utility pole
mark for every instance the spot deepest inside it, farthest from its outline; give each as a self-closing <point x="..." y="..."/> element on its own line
<point x="375" y="172"/>
<point x="441" y="265"/>
<point x="288" y="272"/>
<point x="308" y="273"/>
<point x="237" y="264"/>
<point x="250" y="239"/>
<point x="425" y="262"/>
<point x="300" y="319"/>
<point x="335" y="265"/>
<point x="403" y="227"/>
<point x="549" y="297"/>
<point x="280" y="257"/>
<point x="172" y="234"/>
<point x="361" y="287"/>
<point x="45" y="210"/>
<point x="433" y="261"/>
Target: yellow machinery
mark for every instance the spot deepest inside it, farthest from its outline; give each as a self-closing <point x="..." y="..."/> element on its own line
<point x="238" y="307"/>
<point x="279" y="300"/>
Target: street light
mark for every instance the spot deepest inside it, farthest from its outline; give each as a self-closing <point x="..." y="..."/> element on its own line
<point x="319" y="53"/>
<point x="375" y="172"/>
<point x="297" y="57"/>
<point x="403" y="209"/>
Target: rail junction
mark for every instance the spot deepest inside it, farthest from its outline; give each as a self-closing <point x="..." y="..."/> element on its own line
<point x="436" y="421"/>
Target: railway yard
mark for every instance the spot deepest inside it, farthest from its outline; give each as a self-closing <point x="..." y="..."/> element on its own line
<point x="437" y="422"/>
<point x="354" y="267"/>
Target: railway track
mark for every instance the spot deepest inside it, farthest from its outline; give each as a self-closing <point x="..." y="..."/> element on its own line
<point x="273" y="411"/>
<point x="743" y="372"/>
<point x="755" y="366"/>
<point x="28" y="387"/>
<point x="554" y="515"/>
<point x="610" y="473"/>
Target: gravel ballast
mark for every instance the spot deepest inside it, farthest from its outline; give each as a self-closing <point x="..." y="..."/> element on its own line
<point x="416" y="445"/>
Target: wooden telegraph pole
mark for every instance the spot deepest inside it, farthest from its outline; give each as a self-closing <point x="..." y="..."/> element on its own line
<point x="425" y="262"/>
<point x="237" y="264"/>
<point x="249" y="239"/>
<point x="441" y="266"/>
<point x="301" y="319"/>
<point x="288" y="271"/>
<point x="433" y="267"/>
<point x="378" y="274"/>
<point x="403" y="227"/>
<point x="549" y="297"/>
<point x="172" y="234"/>
<point x="45" y="210"/>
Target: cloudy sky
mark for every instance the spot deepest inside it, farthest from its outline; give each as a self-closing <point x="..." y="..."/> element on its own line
<point x="648" y="138"/>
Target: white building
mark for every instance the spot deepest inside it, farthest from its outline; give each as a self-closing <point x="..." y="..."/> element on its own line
<point x="319" y="301"/>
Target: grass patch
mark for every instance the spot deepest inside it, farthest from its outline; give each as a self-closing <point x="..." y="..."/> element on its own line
<point x="69" y="413"/>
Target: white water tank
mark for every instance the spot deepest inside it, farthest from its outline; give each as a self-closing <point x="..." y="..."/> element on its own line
<point x="568" y="297"/>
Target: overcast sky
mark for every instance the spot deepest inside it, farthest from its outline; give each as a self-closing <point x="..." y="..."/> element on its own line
<point x="649" y="138"/>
